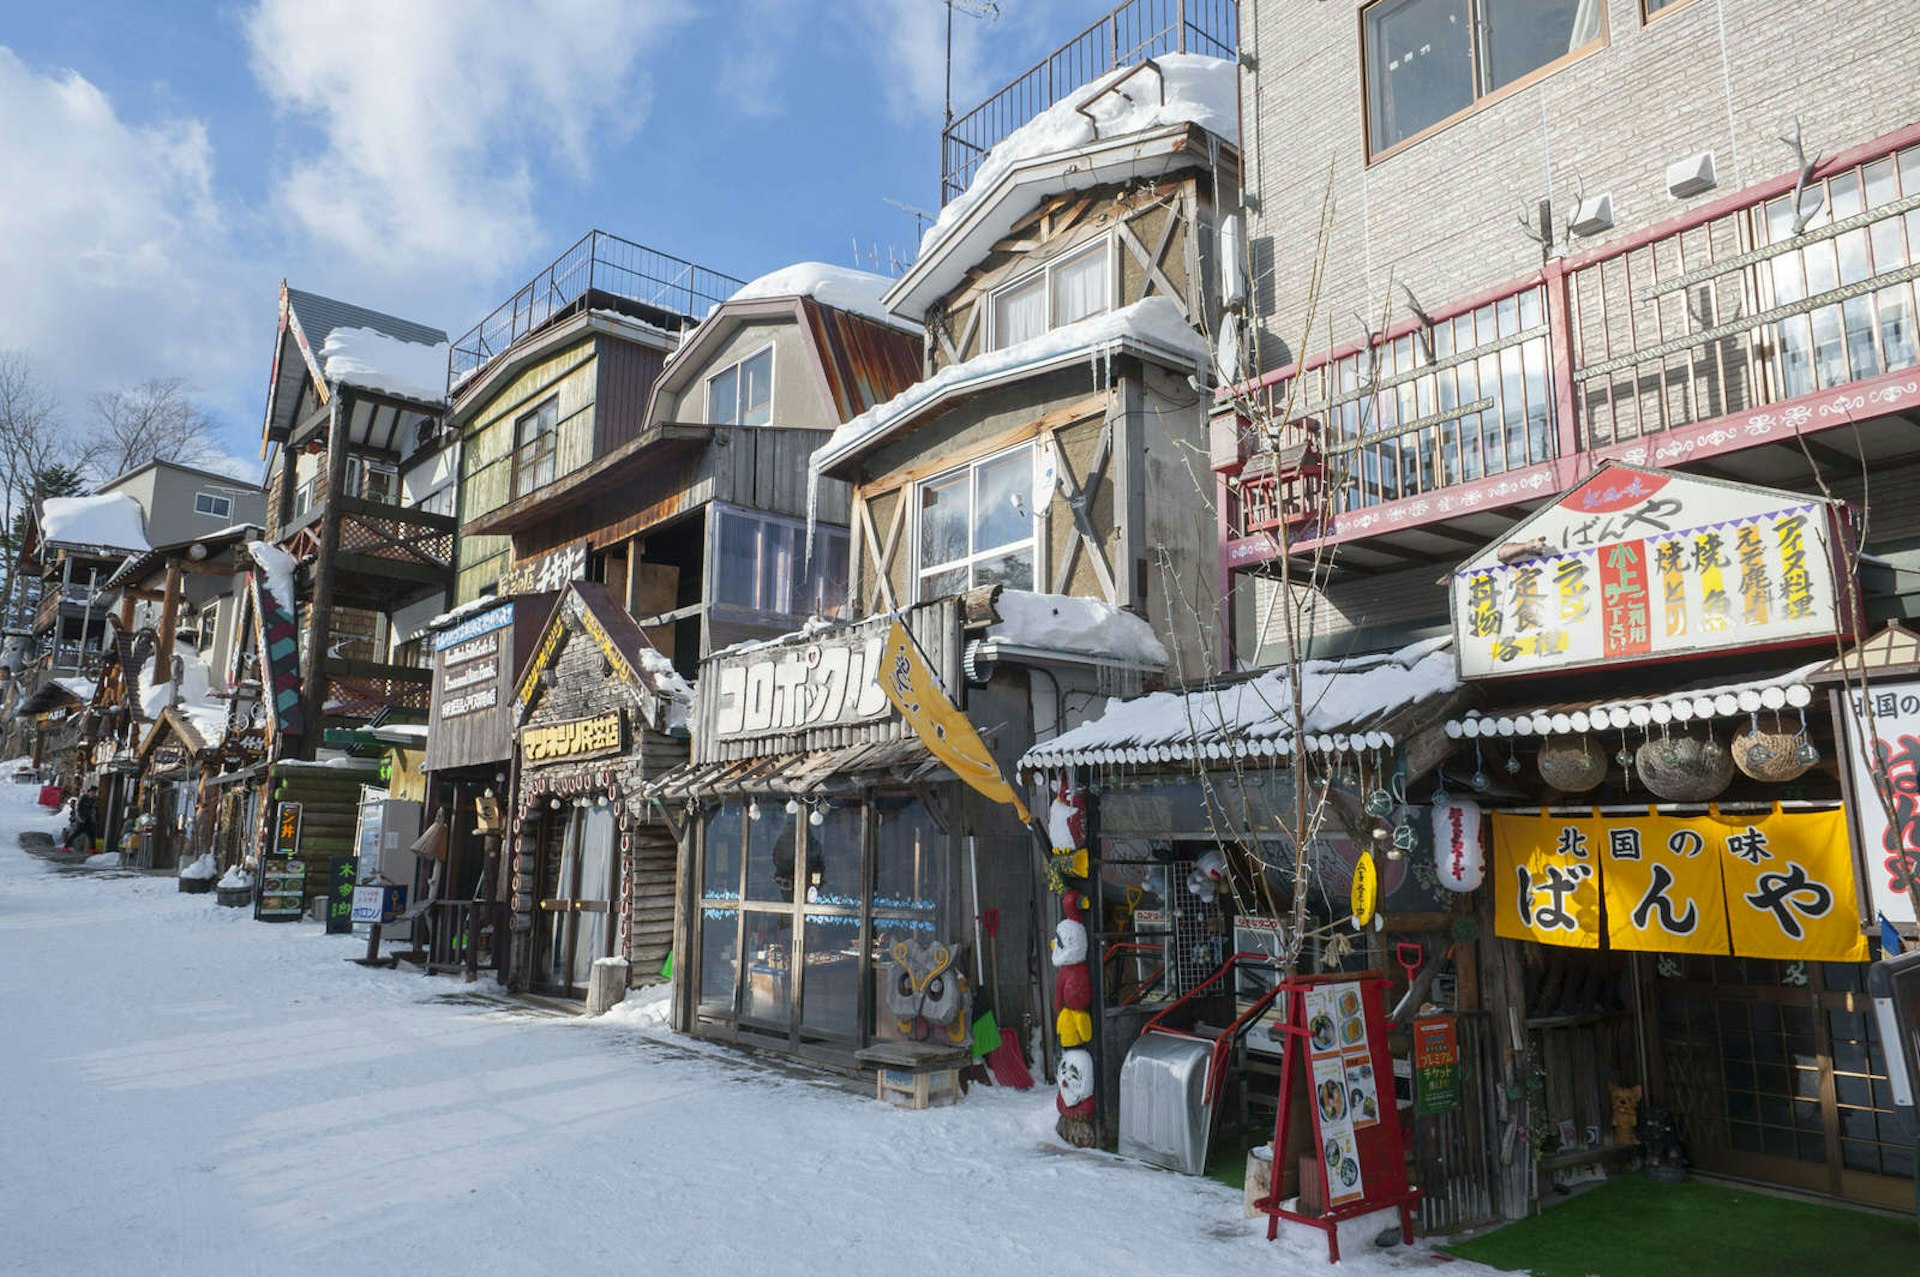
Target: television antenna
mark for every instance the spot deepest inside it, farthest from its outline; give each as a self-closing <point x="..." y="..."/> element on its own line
<point x="921" y="218"/>
<point x="988" y="9"/>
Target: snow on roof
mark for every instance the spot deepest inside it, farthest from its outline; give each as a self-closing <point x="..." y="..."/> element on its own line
<point x="1789" y="690"/>
<point x="1155" y="322"/>
<point x="472" y="607"/>
<point x="841" y="287"/>
<point x="1198" y="90"/>
<point x="78" y="688"/>
<point x="371" y="360"/>
<point x="1062" y="623"/>
<point x="1345" y="700"/>
<point x="111" y="519"/>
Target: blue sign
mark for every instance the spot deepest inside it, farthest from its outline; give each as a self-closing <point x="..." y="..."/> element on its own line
<point x="473" y="627"/>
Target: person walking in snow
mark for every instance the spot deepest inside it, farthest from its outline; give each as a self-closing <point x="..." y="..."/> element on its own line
<point x="84" y="811"/>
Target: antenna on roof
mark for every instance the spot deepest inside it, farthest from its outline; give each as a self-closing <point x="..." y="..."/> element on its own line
<point x="920" y="215"/>
<point x="976" y="8"/>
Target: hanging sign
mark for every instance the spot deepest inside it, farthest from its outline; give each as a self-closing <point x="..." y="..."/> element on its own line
<point x="1761" y="885"/>
<point x="1886" y="789"/>
<point x="1546" y="881"/>
<point x="1365" y="897"/>
<point x="1458" y="858"/>
<point x="915" y="691"/>
<point x="1638" y="565"/>
<point x="286" y="830"/>
<point x="1663" y="885"/>
<point x="1436" y="1065"/>
<point x="1790" y="886"/>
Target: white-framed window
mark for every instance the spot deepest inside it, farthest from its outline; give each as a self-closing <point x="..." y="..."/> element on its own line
<point x="303" y="496"/>
<point x="760" y="562"/>
<point x="1062" y="292"/>
<point x="220" y="507"/>
<point x="978" y="526"/>
<point x="741" y="394"/>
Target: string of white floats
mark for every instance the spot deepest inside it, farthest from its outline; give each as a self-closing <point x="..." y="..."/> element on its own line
<point x="1682" y="707"/>
<point x="1187" y="751"/>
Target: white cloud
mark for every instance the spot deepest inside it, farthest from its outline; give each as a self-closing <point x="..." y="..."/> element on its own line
<point x="759" y="34"/>
<point x="438" y="119"/>
<point x="115" y="254"/>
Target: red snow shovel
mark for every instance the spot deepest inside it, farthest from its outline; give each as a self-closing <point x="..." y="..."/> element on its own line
<point x="1004" y="1061"/>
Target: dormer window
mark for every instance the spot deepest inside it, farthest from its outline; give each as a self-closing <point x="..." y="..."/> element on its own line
<point x="1060" y="293"/>
<point x="741" y="394"/>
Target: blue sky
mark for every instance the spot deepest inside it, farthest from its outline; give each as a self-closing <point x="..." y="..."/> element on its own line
<point x="164" y="164"/>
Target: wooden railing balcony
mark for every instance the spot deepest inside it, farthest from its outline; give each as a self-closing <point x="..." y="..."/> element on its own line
<point x="360" y="689"/>
<point x="402" y="541"/>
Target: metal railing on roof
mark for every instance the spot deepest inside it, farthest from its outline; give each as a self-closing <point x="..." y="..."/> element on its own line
<point x="622" y="270"/>
<point x="1134" y="31"/>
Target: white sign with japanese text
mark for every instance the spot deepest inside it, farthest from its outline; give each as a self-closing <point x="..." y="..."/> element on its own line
<point x="1886" y="788"/>
<point x="1636" y="566"/>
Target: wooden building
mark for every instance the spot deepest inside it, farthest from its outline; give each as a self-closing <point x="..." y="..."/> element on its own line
<point x="359" y="480"/>
<point x="598" y="712"/>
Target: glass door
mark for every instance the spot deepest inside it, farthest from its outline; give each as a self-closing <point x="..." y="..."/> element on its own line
<point x="831" y="901"/>
<point x="767" y="918"/>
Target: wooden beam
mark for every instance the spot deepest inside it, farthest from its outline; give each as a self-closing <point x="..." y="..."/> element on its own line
<point x="169" y="624"/>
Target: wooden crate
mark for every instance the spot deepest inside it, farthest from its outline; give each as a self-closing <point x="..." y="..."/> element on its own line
<point x="917" y="1088"/>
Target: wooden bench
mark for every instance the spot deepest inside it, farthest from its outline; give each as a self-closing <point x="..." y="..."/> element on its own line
<point x="915" y="1075"/>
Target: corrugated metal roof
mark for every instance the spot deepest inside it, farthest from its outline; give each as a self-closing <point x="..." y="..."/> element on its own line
<point x="321" y="315"/>
<point x="865" y="363"/>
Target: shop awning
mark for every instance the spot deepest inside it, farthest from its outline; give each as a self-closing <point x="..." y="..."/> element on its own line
<point x="826" y="769"/>
<point x="1787" y="690"/>
<point x="1354" y="704"/>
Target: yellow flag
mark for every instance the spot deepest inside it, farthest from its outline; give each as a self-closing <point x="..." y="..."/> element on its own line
<point x="1546" y="883"/>
<point x="1662" y="879"/>
<point x="1790" y="885"/>
<point x="916" y="692"/>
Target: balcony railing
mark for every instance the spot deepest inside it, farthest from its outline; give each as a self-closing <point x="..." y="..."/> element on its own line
<point x="1727" y="328"/>
<point x="361" y="689"/>
<point x="1131" y="33"/>
<point x="1738" y="312"/>
<point x="405" y="535"/>
<point x="599" y="263"/>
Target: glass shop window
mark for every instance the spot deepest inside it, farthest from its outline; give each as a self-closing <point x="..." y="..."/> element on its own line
<point x="915" y="890"/>
<point x="761" y="563"/>
<point x="772" y="844"/>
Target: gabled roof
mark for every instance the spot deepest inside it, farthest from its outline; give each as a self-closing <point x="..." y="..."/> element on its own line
<point x="859" y="357"/>
<point x="307" y="320"/>
<point x="142" y="567"/>
<point x="589" y="607"/>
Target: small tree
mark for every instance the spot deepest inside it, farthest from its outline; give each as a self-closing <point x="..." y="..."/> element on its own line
<point x="155" y="420"/>
<point x="37" y="458"/>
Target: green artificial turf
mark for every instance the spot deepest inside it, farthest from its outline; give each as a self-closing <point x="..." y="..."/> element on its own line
<point x="1632" y="1227"/>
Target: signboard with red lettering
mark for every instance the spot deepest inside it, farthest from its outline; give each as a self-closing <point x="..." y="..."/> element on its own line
<point x="1641" y="565"/>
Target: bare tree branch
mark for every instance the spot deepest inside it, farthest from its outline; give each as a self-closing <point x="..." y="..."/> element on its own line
<point x="156" y="420"/>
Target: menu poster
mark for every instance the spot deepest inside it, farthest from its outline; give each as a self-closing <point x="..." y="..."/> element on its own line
<point x="1363" y="1092"/>
<point x="1336" y="1129"/>
<point x="283" y="889"/>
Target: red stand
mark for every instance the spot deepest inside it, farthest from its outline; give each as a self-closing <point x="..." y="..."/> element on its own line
<point x="1379" y="1148"/>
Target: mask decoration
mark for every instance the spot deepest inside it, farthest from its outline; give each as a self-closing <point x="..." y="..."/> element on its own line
<point x="1208" y="871"/>
<point x="1067" y="836"/>
<point x="1073" y="1020"/>
<point x="1075" y="1078"/>
<point x="926" y="993"/>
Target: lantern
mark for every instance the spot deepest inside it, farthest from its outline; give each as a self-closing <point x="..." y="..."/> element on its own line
<point x="1457" y="854"/>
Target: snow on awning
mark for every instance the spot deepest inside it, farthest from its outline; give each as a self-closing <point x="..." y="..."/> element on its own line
<point x="1083" y="627"/>
<point x="108" y="521"/>
<point x="1726" y="700"/>
<point x="373" y="360"/>
<point x="1350" y="706"/>
<point x="796" y="774"/>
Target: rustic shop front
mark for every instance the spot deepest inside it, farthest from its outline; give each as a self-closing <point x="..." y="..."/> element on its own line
<point x="598" y="713"/>
<point x="826" y="842"/>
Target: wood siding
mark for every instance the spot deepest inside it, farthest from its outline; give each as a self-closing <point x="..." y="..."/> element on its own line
<point x="626" y="372"/>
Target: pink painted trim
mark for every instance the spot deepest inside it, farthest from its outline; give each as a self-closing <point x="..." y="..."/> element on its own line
<point x="1809" y="414"/>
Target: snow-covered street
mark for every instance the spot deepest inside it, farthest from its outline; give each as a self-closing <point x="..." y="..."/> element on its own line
<point x="190" y="1091"/>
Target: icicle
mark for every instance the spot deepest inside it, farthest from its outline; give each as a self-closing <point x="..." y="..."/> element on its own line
<point x="813" y="506"/>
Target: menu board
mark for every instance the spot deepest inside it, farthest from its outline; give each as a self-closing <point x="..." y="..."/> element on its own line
<point x="1346" y="1096"/>
<point x="283" y="889"/>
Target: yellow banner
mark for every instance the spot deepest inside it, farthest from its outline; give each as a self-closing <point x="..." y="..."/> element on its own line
<point x="1790" y="885"/>
<point x="916" y="692"/>
<point x="1662" y="883"/>
<point x="1546" y="881"/>
<point x="1769" y="885"/>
